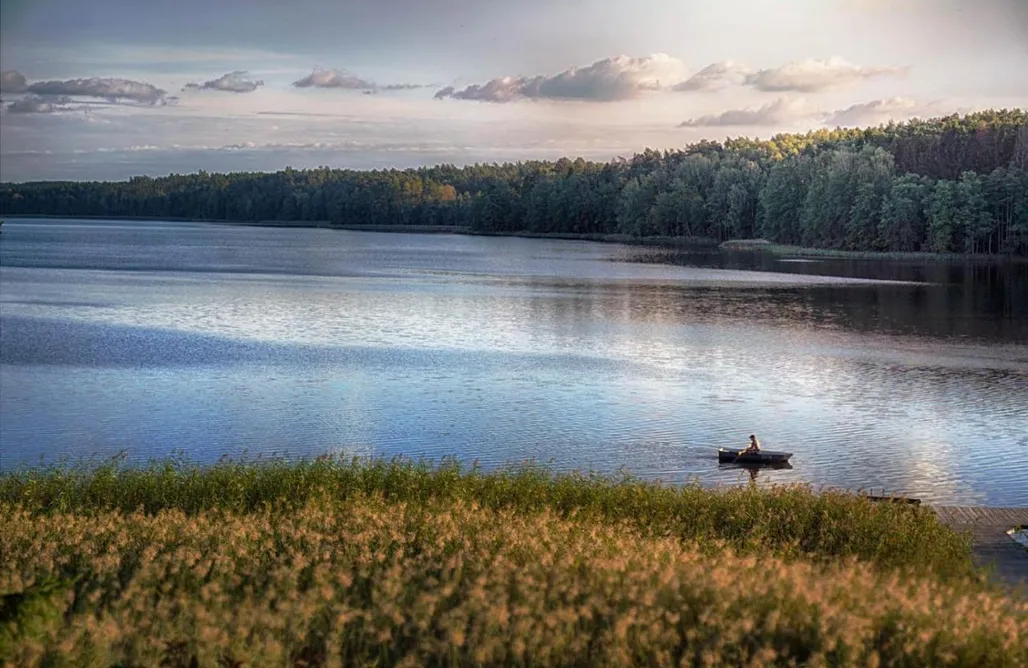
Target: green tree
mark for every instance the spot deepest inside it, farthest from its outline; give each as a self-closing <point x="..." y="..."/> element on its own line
<point x="903" y="225"/>
<point x="941" y="209"/>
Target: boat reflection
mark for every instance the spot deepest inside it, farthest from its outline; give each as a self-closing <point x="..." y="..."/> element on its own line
<point x="753" y="469"/>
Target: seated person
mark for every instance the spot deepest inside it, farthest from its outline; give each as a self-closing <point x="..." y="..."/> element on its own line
<point x="753" y="447"/>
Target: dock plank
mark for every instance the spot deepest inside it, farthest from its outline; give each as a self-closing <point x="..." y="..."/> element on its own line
<point x="992" y="546"/>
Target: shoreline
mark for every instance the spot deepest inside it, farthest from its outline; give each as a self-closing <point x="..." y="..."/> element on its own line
<point x="736" y="245"/>
<point x="786" y="250"/>
<point x="178" y="219"/>
<point x="654" y="241"/>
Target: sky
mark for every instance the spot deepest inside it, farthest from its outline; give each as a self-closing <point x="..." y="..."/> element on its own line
<point x="110" y="89"/>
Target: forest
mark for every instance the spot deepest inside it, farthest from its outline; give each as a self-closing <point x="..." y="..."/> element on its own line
<point x="956" y="184"/>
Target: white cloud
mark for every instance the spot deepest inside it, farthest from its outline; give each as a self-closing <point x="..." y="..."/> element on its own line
<point x="785" y="112"/>
<point x="876" y="112"/>
<point x="233" y="82"/>
<point x="618" y="78"/>
<point x="105" y="88"/>
<point x="873" y="112"/>
<point x="33" y="104"/>
<point x="815" y="76"/>
<point x="12" y="81"/>
<point x="715" y="77"/>
<point x="404" y="86"/>
<point x="782" y="111"/>
<point x="348" y="81"/>
<point x="334" y="79"/>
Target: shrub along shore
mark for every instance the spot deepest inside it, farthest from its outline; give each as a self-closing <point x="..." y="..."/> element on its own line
<point x="333" y="562"/>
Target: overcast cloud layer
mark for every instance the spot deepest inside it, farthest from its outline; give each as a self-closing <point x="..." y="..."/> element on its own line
<point x="85" y="85"/>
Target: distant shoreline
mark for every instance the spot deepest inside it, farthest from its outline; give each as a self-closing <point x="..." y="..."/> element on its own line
<point x="785" y="250"/>
<point x="744" y="245"/>
<point x="175" y="219"/>
<point x="656" y="241"/>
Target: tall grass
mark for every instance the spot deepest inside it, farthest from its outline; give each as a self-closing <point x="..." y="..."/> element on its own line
<point x="371" y="582"/>
<point x="787" y="521"/>
<point x="764" y="246"/>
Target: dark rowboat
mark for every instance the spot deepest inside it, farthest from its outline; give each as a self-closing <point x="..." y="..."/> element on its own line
<point x="762" y="457"/>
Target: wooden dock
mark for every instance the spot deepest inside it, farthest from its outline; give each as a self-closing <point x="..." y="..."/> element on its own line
<point x="992" y="546"/>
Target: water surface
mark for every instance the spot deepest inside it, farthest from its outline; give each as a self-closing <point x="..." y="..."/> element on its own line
<point x="153" y="338"/>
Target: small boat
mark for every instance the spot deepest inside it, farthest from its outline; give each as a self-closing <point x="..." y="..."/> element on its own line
<point x="763" y="457"/>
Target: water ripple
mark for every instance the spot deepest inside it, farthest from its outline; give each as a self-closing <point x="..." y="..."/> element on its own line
<point x="497" y="351"/>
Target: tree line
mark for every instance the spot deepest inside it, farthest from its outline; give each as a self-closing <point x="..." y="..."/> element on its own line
<point x="951" y="184"/>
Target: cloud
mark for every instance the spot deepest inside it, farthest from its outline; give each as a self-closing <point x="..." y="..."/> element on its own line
<point x="306" y="114"/>
<point x="348" y="81"/>
<point x="715" y="77"/>
<point x="105" y="88"/>
<point x="33" y="104"/>
<point x="12" y="81"/>
<point x="815" y="76"/>
<point x="786" y="111"/>
<point x="897" y="109"/>
<point x="781" y="111"/>
<point x="233" y="82"/>
<point x="405" y="86"/>
<point x="872" y="113"/>
<point x="618" y="78"/>
<point x="622" y="77"/>
<point x="334" y="79"/>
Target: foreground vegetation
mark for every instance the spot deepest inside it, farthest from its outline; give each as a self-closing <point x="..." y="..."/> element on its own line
<point x="788" y="521"/>
<point x="392" y="563"/>
<point x="953" y="184"/>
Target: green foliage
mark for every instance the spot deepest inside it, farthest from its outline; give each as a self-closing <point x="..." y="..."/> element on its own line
<point x="953" y="184"/>
<point x="903" y="223"/>
<point x="787" y="521"/>
<point x="33" y="613"/>
<point x="942" y="217"/>
<point x="783" y="197"/>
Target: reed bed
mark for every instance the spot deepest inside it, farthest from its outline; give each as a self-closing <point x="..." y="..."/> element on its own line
<point x="786" y="521"/>
<point x="368" y="581"/>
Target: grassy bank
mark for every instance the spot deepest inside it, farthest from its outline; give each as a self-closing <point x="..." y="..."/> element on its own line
<point x="787" y="521"/>
<point x="393" y="563"/>
<point x="658" y="241"/>
<point x="405" y="229"/>
<point x="764" y="246"/>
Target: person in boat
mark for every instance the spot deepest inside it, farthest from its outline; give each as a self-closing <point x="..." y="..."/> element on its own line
<point x="753" y="447"/>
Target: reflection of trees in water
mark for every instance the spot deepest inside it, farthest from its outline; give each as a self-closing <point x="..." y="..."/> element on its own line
<point x="978" y="300"/>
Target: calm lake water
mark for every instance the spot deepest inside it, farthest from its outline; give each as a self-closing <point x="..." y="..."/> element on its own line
<point x="155" y="338"/>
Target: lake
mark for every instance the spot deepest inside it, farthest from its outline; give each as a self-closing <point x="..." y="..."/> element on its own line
<point x="154" y="338"/>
